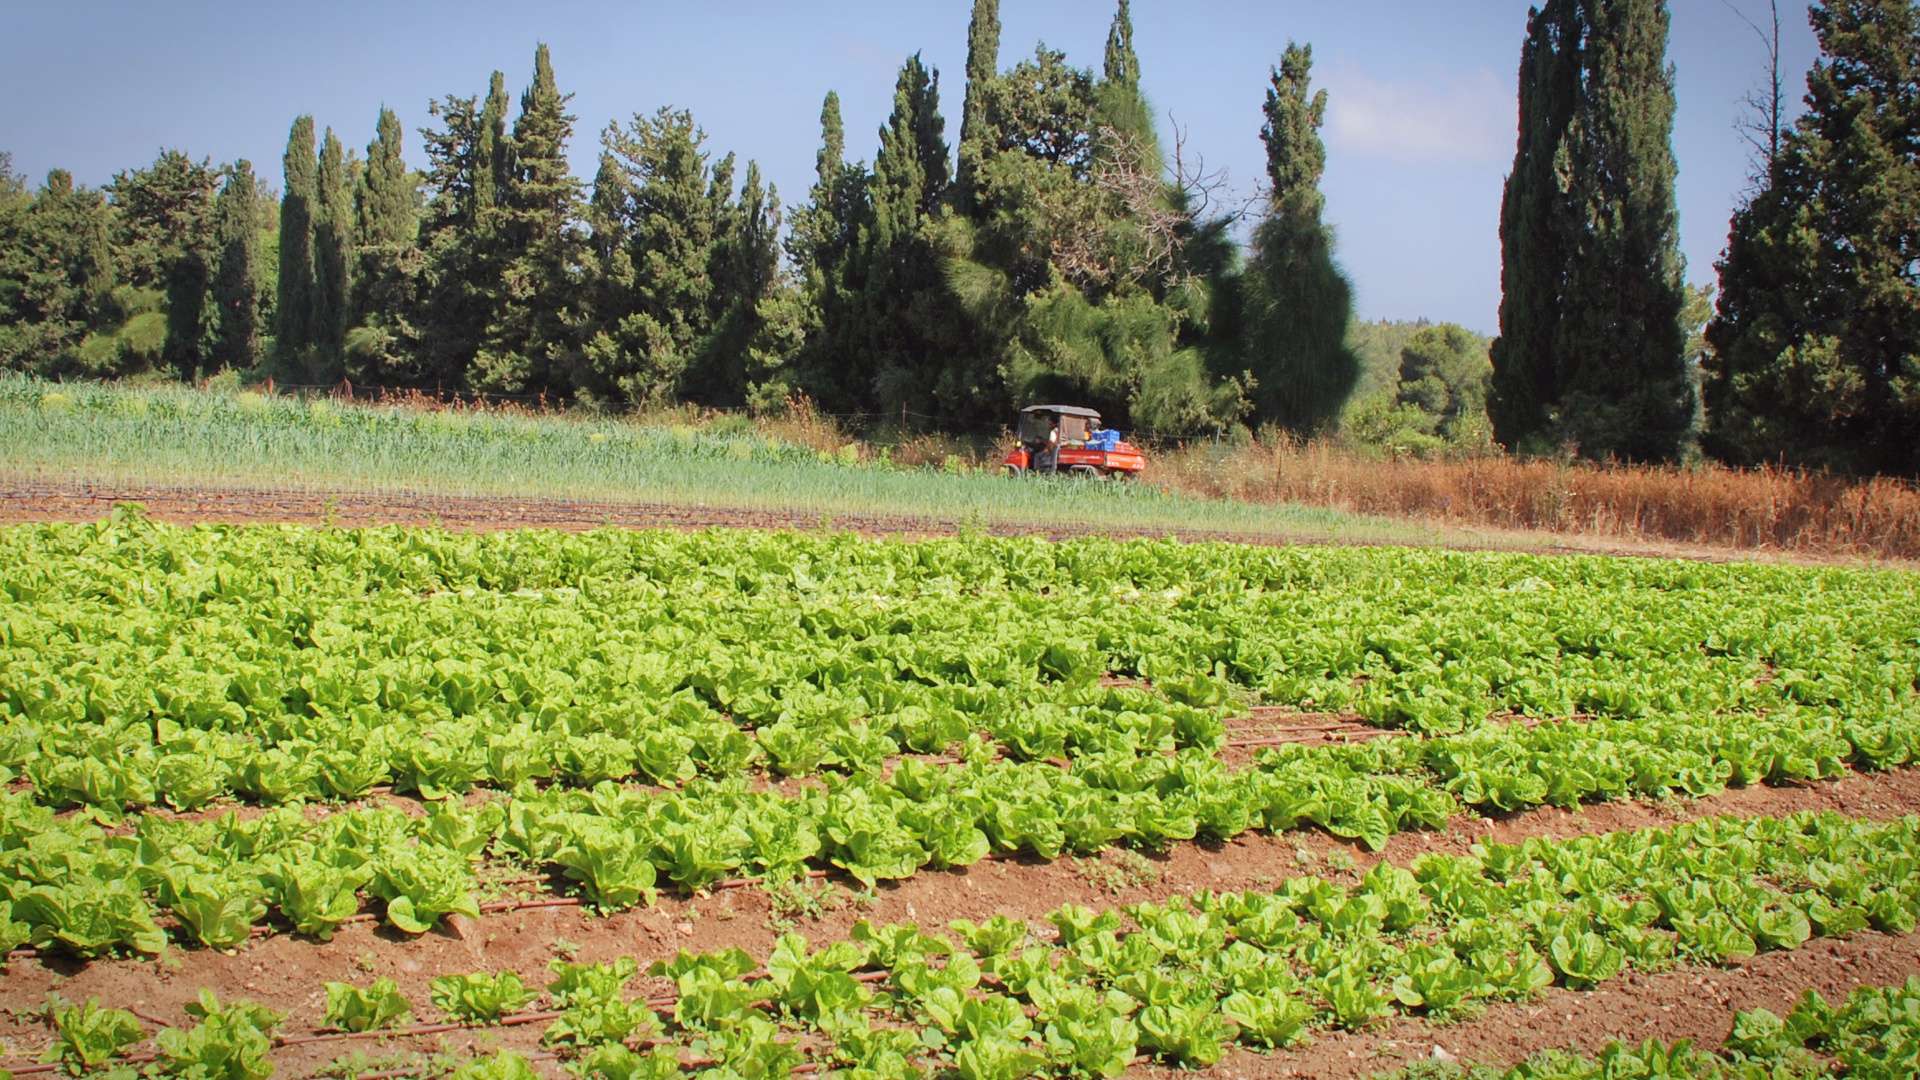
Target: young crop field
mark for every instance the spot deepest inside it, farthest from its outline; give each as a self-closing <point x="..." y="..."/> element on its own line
<point x="178" y="442"/>
<point x="407" y="802"/>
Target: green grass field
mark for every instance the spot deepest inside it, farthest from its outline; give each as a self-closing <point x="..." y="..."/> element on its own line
<point x="174" y="437"/>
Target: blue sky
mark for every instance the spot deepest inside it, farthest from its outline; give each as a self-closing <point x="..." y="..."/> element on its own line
<point x="1420" y="133"/>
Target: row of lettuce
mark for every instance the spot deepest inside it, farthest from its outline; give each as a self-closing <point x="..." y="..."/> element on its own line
<point x="68" y="883"/>
<point x="144" y="664"/>
<point x="1182" y="981"/>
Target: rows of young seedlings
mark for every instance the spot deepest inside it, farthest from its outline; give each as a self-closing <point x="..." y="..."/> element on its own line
<point x="142" y="664"/>
<point x="70" y="884"/>
<point x="1177" y="982"/>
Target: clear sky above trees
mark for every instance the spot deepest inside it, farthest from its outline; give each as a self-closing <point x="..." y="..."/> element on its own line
<point x="1419" y="132"/>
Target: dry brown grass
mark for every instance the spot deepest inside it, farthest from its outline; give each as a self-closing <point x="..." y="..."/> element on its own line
<point x="1757" y="509"/>
<point x="804" y="425"/>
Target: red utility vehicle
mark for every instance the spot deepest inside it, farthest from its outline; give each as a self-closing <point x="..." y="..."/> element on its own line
<point x="1068" y="439"/>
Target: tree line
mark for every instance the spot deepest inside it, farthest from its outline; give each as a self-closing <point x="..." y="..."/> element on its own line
<point x="1053" y="247"/>
<point x="1811" y="354"/>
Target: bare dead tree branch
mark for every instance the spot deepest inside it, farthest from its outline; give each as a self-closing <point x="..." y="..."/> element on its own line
<point x="1162" y="203"/>
<point x="1201" y="188"/>
<point x="1764" y="109"/>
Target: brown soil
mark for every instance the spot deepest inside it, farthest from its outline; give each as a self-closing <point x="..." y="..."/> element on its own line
<point x="287" y="973"/>
<point x="24" y="501"/>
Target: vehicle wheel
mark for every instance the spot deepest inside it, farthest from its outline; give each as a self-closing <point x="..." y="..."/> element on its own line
<point x="1015" y="470"/>
<point x="1085" y="472"/>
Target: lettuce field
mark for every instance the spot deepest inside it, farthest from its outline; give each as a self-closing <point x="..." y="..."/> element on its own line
<point x="405" y="802"/>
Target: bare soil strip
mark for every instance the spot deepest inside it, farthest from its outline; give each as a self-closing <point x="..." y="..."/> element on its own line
<point x="287" y="973"/>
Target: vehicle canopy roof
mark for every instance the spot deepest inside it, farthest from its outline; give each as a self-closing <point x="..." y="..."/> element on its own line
<point x="1061" y="410"/>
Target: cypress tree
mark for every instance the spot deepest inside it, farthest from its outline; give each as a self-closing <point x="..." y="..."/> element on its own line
<point x="894" y="363"/>
<point x="608" y="212"/>
<point x="744" y="270"/>
<point x="930" y="140"/>
<point x="332" y="243"/>
<point x="1592" y="351"/>
<point x="189" y="265"/>
<point x="462" y="281"/>
<point x="721" y="210"/>
<point x="1122" y="63"/>
<point x="382" y="344"/>
<point x="755" y="251"/>
<point x="96" y="259"/>
<point x="827" y="248"/>
<point x="385" y="214"/>
<point x="74" y="245"/>
<point x="236" y="289"/>
<point x="833" y="144"/>
<point x="1299" y="303"/>
<point x="657" y="298"/>
<point x="1122" y="104"/>
<point x="1535" y="234"/>
<point x="1816" y="342"/>
<point x="543" y="188"/>
<point x="823" y="227"/>
<point x="1627" y="388"/>
<point x="295" y="293"/>
<point x="1296" y="158"/>
<point x="530" y="338"/>
<point x="900" y="188"/>
<point x="490" y="155"/>
<point x="983" y="66"/>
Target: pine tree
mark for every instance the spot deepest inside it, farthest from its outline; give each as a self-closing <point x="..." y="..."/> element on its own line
<point x="983" y="66"/>
<point x="161" y="231"/>
<point x="56" y="279"/>
<point x="332" y="243"/>
<point x="1816" y="343"/>
<point x="236" y="289"/>
<point x="295" y="294"/>
<point x="1592" y="352"/>
<point x="1443" y="374"/>
<point x="1299" y="303"/>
